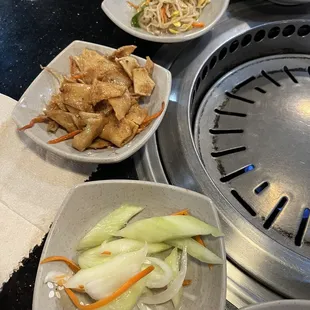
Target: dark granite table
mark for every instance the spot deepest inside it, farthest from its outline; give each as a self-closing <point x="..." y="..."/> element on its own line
<point x="33" y="32"/>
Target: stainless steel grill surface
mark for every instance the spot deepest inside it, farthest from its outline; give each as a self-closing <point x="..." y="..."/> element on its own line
<point x="237" y="129"/>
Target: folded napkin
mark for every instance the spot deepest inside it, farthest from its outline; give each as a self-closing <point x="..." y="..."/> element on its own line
<point x="33" y="184"/>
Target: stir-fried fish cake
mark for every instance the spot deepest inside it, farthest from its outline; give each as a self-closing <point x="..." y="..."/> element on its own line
<point x="98" y="103"/>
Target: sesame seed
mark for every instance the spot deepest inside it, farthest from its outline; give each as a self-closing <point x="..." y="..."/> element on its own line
<point x="51" y="294"/>
<point x="50" y="285"/>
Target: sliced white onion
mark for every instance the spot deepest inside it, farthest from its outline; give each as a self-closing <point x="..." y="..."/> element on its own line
<point x="173" y="288"/>
<point x="158" y="279"/>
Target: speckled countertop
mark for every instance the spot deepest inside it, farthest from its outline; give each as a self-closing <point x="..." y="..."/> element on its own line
<point x="33" y="32"/>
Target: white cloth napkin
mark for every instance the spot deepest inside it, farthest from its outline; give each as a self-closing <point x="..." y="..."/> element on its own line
<point x="33" y="184"/>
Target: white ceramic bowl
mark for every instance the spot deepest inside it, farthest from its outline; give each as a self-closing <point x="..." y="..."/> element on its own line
<point x="86" y="204"/>
<point x="121" y="13"/>
<point x="281" y="305"/>
<point x="41" y="89"/>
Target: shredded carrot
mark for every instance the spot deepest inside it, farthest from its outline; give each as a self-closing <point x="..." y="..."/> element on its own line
<point x="147" y="2"/>
<point x="65" y="137"/>
<point x="141" y="128"/>
<point x="60" y="280"/>
<point x="198" y="25"/>
<point x="114" y="295"/>
<point x="106" y="253"/>
<point x="187" y="282"/>
<point x="199" y="239"/>
<point x="81" y="287"/>
<point x="163" y="14"/>
<point x="182" y="212"/>
<point x="79" y="290"/>
<point x="72" y="265"/>
<point x="133" y="5"/>
<point x="155" y="115"/>
<point x="77" y="76"/>
<point x="39" y="119"/>
<point x="210" y="266"/>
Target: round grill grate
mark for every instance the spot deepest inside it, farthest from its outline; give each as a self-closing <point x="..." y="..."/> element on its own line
<point x="253" y="138"/>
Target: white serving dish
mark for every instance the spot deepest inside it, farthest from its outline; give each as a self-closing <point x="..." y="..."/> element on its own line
<point x="121" y="14"/>
<point x="33" y="101"/>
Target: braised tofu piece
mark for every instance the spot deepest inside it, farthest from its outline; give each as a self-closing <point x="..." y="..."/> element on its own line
<point x="121" y="105"/>
<point x="103" y="107"/>
<point x="72" y="110"/>
<point x="136" y="114"/>
<point x="129" y="63"/>
<point x="64" y="119"/>
<point x="92" y="60"/>
<point x="74" y="69"/>
<point x="143" y="84"/>
<point x="57" y="103"/>
<point x="85" y="116"/>
<point x="118" y="76"/>
<point x="95" y="66"/>
<point x="119" y="132"/>
<point x="94" y="126"/>
<point x="100" y="144"/>
<point x="52" y="126"/>
<point x="149" y="66"/>
<point x="124" y="51"/>
<point x="77" y="95"/>
<point x="105" y="90"/>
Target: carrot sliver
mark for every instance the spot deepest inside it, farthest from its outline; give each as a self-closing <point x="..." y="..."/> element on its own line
<point x="72" y="265"/>
<point x="199" y="239"/>
<point x="106" y="253"/>
<point x="77" y="76"/>
<point x="155" y="115"/>
<point x="65" y="137"/>
<point x="187" y="282"/>
<point x="182" y="212"/>
<point x="39" y="119"/>
<point x="163" y="14"/>
<point x="108" y="299"/>
<point x="198" y="25"/>
<point x="133" y="5"/>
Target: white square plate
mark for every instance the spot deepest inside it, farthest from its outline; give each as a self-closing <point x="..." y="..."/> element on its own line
<point x="87" y="203"/>
<point x="44" y="86"/>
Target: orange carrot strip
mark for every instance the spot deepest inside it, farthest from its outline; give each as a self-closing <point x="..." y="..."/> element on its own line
<point x="65" y="137"/>
<point x="163" y="14"/>
<point x="77" y="76"/>
<point x="72" y="265"/>
<point x="198" y="25"/>
<point x="198" y="239"/>
<point x="182" y="212"/>
<point x="210" y="266"/>
<point x="39" y="119"/>
<point x="133" y="5"/>
<point x="106" y="253"/>
<point x="108" y="299"/>
<point x="187" y="282"/>
<point x="155" y="115"/>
